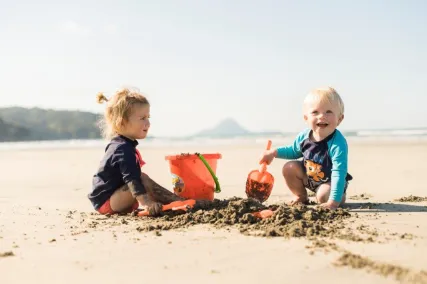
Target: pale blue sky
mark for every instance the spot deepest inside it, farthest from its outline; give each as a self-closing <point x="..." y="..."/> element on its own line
<point x="202" y="61"/>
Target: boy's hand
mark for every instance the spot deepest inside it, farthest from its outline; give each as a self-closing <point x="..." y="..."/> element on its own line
<point x="330" y="204"/>
<point x="268" y="156"/>
<point x="153" y="207"/>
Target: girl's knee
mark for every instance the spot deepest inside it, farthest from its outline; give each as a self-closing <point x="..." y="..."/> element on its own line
<point x="144" y="176"/>
<point x="145" y="179"/>
<point x="122" y="199"/>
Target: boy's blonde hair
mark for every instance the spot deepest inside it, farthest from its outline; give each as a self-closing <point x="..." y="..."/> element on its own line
<point x="325" y="94"/>
<point x="118" y="110"/>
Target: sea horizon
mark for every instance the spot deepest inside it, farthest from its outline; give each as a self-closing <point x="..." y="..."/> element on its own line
<point x="404" y="135"/>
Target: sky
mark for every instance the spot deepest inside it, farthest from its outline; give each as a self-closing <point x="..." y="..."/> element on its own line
<point x="201" y="61"/>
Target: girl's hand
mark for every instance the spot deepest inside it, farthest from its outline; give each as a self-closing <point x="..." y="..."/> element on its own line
<point x="153" y="207"/>
<point x="268" y="156"/>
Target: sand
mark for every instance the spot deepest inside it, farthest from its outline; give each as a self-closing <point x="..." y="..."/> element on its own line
<point x="50" y="234"/>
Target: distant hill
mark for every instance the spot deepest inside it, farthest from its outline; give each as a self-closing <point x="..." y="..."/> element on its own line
<point x="25" y="124"/>
<point x="230" y="128"/>
<point x="11" y="132"/>
<point x="20" y="124"/>
<point x="225" y="128"/>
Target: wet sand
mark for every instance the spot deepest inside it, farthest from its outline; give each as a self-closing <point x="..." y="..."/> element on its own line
<point x="49" y="232"/>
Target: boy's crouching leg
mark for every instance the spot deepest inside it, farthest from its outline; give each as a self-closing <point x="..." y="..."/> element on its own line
<point x="295" y="177"/>
<point x="323" y="192"/>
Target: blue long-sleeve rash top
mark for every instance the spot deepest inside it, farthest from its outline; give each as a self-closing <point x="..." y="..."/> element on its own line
<point x="324" y="161"/>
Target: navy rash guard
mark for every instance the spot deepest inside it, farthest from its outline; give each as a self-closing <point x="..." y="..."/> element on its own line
<point x="120" y="165"/>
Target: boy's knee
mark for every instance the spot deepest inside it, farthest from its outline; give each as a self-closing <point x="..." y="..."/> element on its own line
<point x="291" y="168"/>
<point x="323" y="192"/>
<point x="322" y="197"/>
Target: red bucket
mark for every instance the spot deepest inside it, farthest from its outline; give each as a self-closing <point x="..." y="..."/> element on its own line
<point x="191" y="177"/>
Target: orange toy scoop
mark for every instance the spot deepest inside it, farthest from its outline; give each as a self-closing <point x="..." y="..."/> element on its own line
<point x="267" y="213"/>
<point x="176" y="205"/>
<point x="259" y="183"/>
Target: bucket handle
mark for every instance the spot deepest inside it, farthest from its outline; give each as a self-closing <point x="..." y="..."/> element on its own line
<point x="217" y="187"/>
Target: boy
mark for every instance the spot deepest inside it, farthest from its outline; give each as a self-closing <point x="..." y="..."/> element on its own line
<point x="323" y="149"/>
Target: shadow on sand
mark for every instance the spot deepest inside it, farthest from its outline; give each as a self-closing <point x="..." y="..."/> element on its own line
<point x="371" y="207"/>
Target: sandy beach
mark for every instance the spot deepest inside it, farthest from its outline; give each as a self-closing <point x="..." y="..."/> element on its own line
<point x="49" y="232"/>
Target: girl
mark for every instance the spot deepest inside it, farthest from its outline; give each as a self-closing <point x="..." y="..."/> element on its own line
<point x="119" y="186"/>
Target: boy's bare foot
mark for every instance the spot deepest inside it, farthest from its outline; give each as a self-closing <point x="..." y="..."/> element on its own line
<point x="299" y="201"/>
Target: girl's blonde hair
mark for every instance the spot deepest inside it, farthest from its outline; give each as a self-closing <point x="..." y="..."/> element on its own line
<point x="118" y="110"/>
<point x="325" y="94"/>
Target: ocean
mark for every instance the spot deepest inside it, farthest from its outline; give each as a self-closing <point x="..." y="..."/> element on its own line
<point x="404" y="135"/>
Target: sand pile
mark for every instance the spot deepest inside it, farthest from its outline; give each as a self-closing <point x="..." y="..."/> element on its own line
<point x="287" y="221"/>
<point x="363" y="196"/>
<point x="411" y="198"/>
<point x="355" y="261"/>
<point x="295" y="221"/>
<point x="6" y="254"/>
<point x="399" y="273"/>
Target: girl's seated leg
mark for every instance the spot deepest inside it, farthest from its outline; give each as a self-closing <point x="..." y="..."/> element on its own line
<point x="158" y="192"/>
<point x="122" y="200"/>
